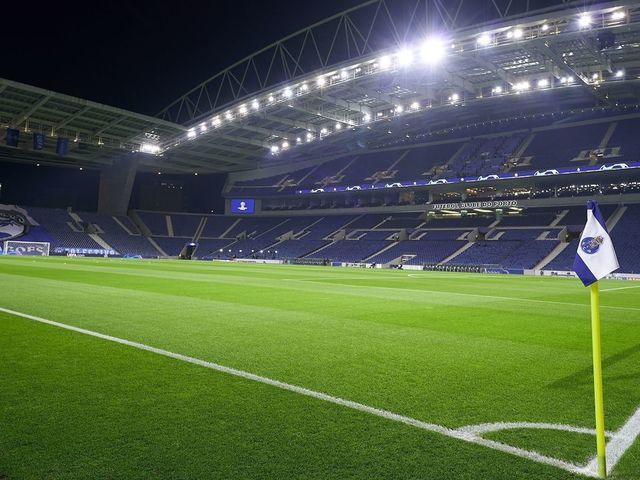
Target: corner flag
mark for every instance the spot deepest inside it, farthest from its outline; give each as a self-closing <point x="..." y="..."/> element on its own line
<point x="595" y="259"/>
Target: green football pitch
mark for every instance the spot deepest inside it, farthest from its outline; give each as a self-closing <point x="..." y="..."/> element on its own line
<point x="198" y="370"/>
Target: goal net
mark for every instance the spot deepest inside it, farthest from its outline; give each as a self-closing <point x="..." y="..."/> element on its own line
<point x="16" y="247"/>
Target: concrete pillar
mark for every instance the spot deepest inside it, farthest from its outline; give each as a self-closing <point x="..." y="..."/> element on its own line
<point x="116" y="183"/>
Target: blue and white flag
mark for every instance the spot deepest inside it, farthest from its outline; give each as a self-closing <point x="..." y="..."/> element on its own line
<point x="596" y="257"/>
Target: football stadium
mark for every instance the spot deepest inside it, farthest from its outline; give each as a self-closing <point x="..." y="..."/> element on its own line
<point x="401" y="242"/>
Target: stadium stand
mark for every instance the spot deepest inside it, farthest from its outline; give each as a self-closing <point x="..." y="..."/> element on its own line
<point x="517" y="241"/>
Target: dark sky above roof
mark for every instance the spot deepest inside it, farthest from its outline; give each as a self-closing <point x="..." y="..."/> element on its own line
<point x="142" y="54"/>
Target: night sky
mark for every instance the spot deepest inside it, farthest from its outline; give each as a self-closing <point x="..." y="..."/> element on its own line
<point x="142" y="55"/>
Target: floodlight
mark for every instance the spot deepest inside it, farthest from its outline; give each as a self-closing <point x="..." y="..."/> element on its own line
<point x="285" y="144"/>
<point x="484" y="40"/>
<point x="399" y="109"/>
<point x="321" y="81"/>
<point x="203" y="127"/>
<point x="287" y="93"/>
<point x="323" y="131"/>
<point x="584" y="21"/>
<point x="149" y="148"/>
<point x="497" y="89"/>
<point x="195" y="173"/>
<point x="274" y="149"/>
<point x="344" y="74"/>
<point x="191" y="133"/>
<point x="518" y="33"/>
<point x="415" y="106"/>
<point x="309" y="135"/>
<point x="543" y="83"/>
<point x="618" y="15"/>
<point x="304" y="87"/>
<point x="405" y="57"/>
<point x="228" y="115"/>
<point x="385" y="62"/>
<point x="255" y="104"/>
<point x="432" y="50"/>
<point x="570" y="79"/>
<point x="544" y="27"/>
<point x="455" y="97"/>
<point x="242" y="109"/>
<point x="620" y="74"/>
<point x="563" y="80"/>
<point x="594" y="76"/>
<point x="271" y="99"/>
<point x="298" y="140"/>
<point x="216" y="121"/>
<point x="366" y="118"/>
<point x="338" y="126"/>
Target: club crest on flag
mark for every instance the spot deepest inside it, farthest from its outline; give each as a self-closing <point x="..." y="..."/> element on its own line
<point x="591" y="245"/>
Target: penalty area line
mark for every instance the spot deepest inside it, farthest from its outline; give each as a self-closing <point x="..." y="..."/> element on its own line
<point x="464" y="434"/>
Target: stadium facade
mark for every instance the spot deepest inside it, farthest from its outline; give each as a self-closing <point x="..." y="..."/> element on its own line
<point x="425" y="137"/>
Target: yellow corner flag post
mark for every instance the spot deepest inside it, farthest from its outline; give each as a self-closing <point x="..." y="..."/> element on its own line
<point x="597" y="379"/>
<point x="595" y="259"/>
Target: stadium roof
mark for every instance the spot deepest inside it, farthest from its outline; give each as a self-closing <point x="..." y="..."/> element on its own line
<point x="365" y="76"/>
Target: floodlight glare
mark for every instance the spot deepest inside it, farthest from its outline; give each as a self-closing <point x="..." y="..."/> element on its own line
<point x="304" y="87"/>
<point x="399" y="109"/>
<point x="432" y="50"/>
<point x="455" y="97"/>
<point x="285" y="144"/>
<point x="321" y="81"/>
<point x="584" y="21"/>
<point x="323" y="131"/>
<point x="620" y="74"/>
<point x="497" y="89"/>
<point x="309" y="135"/>
<point x="191" y="133"/>
<point x="484" y="40"/>
<point x="385" y="62"/>
<point x="228" y="115"/>
<point x="544" y="27"/>
<point x="298" y="140"/>
<point x="415" y="106"/>
<point x="563" y="80"/>
<point x="271" y="99"/>
<point x="344" y="75"/>
<point x="216" y="121"/>
<point x="366" y="118"/>
<point x="405" y="57"/>
<point x="287" y="93"/>
<point x="242" y="109"/>
<point x="338" y="126"/>
<point x="255" y="104"/>
<point x="543" y="83"/>
<point x="594" y="76"/>
<point x="274" y="149"/>
<point x="518" y="33"/>
<point x="618" y="15"/>
<point x="149" y="148"/>
<point x="203" y="127"/>
<point x="570" y="79"/>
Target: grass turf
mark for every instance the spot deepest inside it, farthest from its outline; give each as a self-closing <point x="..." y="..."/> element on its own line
<point x="452" y="349"/>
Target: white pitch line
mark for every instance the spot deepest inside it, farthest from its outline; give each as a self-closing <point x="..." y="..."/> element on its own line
<point x="483" y="428"/>
<point x="624" y="438"/>
<point x="619" y="443"/>
<point x="619" y="288"/>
